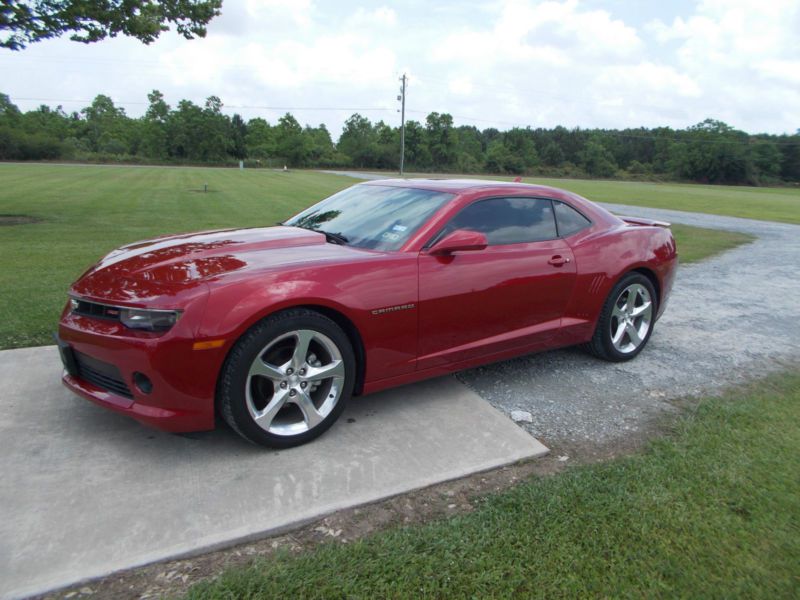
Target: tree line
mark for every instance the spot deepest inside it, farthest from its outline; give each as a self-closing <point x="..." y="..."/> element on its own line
<point x="709" y="152"/>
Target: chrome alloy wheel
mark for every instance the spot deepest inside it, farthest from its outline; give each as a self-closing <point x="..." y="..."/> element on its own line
<point x="294" y="382"/>
<point x="631" y="318"/>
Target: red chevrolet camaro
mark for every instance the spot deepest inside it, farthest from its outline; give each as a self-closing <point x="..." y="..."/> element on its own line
<point x="384" y="283"/>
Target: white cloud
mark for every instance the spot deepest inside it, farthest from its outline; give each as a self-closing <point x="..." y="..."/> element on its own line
<point x="570" y="64"/>
<point x="380" y="17"/>
<point x="746" y="55"/>
<point x="648" y="77"/>
<point x="300" y="12"/>
<point x="550" y="32"/>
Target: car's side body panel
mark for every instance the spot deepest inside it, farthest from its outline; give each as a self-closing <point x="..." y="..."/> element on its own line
<point x="474" y="303"/>
<point x="378" y="296"/>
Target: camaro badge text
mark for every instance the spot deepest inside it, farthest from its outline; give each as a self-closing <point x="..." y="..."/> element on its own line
<point x="388" y="309"/>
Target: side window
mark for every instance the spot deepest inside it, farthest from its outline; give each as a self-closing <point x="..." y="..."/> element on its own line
<point x="508" y="220"/>
<point x="569" y="220"/>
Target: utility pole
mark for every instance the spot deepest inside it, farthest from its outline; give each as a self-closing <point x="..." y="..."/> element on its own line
<point x="402" y="98"/>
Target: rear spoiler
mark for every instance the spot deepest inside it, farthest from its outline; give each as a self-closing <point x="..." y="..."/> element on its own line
<point x="646" y="222"/>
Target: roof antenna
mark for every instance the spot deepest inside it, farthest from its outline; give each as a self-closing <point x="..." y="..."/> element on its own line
<point x="517" y="179"/>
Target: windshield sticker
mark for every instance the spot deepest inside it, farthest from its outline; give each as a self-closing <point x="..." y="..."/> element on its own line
<point x="399" y="228"/>
<point x="388" y="235"/>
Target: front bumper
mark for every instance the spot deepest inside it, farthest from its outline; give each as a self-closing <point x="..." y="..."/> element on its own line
<point x="183" y="379"/>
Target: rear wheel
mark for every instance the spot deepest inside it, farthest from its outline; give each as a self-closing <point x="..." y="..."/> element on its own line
<point x="287" y="380"/>
<point x="626" y="321"/>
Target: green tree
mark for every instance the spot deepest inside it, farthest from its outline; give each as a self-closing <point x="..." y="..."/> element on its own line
<point x="498" y="157"/>
<point x="553" y="155"/>
<point x="238" y="136"/>
<point x="766" y="159"/>
<point x="468" y="141"/>
<point x="290" y="142"/>
<point x="417" y="153"/>
<point x="790" y="157"/>
<point x="51" y="122"/>
<point x="522" y="150"/>
<point x="29" y="136"/>
<point x="9" y="113"/>
<point x="320" y="145"/>
<point x="24" y="22"/>
<point x="154" y="142"/>
<point x="597" y="160"/>
<point x="105" y="126"/>
<point x="441" y="137"/>
<point x="195" y="133"/>
<point x="712" y="152"/>
<point x="211" y="141"/>
<point x="488" y="136"/>
<point x="387" y="146"/>
<point x="358" y="140"/>
<point x="260" y="139"/>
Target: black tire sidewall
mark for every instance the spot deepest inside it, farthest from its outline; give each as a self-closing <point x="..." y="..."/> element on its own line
<point x="604" y="324"/>
<point x="234" y="376"/>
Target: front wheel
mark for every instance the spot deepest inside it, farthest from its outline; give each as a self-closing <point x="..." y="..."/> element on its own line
<point x="626" y="321"/>
<point x="287" y="380"/>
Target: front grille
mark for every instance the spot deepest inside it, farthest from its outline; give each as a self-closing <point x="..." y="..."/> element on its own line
<point x="94" y="309"/>
<point x="103" y="375"/>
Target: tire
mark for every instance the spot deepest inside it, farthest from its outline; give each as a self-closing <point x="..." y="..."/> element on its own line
<point x="287" y="380"/>
<point x="626" y="320"/>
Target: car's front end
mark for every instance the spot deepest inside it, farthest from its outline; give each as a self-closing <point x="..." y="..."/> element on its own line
<point x="139" y="360"/>
<point x="145" y="331"/>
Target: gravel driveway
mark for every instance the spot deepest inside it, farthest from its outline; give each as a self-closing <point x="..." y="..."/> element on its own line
<point x="730" y="318"/>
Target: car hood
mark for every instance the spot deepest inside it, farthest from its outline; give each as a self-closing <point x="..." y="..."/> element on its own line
<point x="183" y="260"/>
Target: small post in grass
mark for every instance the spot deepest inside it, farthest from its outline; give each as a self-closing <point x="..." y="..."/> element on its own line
<point x="205" y="188"/>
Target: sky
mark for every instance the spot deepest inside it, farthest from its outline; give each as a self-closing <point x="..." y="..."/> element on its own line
<point x="496" y="63"/>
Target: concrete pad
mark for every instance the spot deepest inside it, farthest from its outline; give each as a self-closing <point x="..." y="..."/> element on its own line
<point x="85" y="492"/>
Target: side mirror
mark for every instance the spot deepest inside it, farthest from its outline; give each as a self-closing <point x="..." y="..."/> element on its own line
<point x="460" y="240"/>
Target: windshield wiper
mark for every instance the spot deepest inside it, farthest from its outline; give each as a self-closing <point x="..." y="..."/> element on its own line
<point x="333" y="238"/>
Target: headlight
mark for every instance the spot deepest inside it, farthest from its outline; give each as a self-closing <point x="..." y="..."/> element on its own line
<point x="149" y="320"/>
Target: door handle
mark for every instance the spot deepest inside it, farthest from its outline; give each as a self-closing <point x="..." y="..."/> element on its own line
<point x="558" y="261"/>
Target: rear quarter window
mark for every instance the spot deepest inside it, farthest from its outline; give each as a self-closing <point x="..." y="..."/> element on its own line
<point x="569" y="220"/>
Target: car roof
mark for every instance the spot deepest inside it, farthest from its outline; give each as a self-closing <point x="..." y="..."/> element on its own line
<point x="460" y="186"/>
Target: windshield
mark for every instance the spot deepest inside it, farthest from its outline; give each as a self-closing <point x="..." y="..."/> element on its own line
<point x="372" y="216"/>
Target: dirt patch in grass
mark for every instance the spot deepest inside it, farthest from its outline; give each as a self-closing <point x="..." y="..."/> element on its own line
<point x="18" y="220"/>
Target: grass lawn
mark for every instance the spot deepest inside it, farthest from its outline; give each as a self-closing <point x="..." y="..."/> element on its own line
<point x="697" y="243"/>
<point x="86" y="211"/>
<point x="710" y="511"/>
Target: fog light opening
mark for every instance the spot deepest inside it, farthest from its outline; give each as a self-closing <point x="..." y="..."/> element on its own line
<point x="143" y="382"/>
